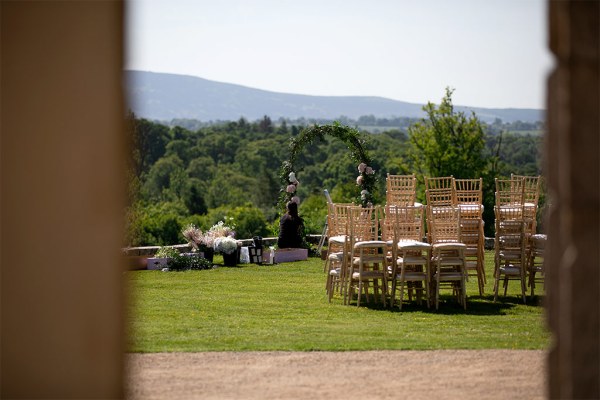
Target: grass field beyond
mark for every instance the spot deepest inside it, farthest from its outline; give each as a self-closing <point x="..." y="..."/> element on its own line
<point x="284" y="307"/>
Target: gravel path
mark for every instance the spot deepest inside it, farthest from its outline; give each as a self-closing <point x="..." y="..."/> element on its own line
<point x="445" y="374"/>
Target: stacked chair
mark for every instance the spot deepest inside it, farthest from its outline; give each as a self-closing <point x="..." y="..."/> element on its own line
<point x="467" y="196"/>
<point x="510" y="262"/>
<point x="336" y="260"/>
<point x="469" y="199"/>
<point x="408" y="261"/>
<point x="518" y="256"/>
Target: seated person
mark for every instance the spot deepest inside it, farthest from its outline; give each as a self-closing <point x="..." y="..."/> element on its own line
<point x="291" y="228"/>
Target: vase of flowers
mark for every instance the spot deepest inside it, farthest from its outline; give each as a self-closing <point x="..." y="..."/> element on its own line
<point x="227" y="246"/>
<point x="201" y="242"/>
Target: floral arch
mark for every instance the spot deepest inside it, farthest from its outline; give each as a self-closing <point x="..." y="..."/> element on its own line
<point x="355" y="143"/>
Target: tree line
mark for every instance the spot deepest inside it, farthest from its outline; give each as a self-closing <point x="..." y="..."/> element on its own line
<point x="179" y="175"/>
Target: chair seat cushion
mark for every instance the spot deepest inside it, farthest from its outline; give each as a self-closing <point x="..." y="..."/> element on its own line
<point x="510" y="270"/>
<point x="341" y="239"/>
<point x="370" y="258"/>
<point x="368" y="275"/>
<point x="369" y="244"/>
<point x="413" y="245"/>
<point x="449" y="246"/>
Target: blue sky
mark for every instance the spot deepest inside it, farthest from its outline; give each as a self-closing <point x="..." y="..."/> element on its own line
<point x="494" y="53"/>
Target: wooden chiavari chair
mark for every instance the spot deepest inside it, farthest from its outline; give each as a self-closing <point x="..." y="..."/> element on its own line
<point x="401" y="190"/>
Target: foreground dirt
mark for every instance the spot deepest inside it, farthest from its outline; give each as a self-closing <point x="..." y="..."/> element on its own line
<point x="446" y="374"/>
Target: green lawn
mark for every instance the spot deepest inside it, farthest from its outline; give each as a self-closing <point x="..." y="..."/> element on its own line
<point x="284" y="307"/>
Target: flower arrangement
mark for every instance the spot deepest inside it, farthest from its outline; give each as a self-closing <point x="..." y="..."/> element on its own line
<point x="225" y="244"/>
<point x="220" y="229"/>
<point x="197" y="239"/>
<point x="292" y="187"/>
<point x="365" y="181"/>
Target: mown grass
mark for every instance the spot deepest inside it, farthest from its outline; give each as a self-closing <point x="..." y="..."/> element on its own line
<point x="284" y="307"/>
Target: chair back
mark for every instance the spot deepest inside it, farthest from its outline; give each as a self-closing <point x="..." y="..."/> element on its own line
<point x="531" y="188"/>
<point x="469" y="191"/>
<point x="406" y="222"/>
<point x="363" y="224"/>
<point x="440" y="191"/>
<point x="401" y="190"/>
<point x="337" y="218"/>
<point x="444" y="224"/>
<point x="509" y="192"/>
<point x="510" y="232"/>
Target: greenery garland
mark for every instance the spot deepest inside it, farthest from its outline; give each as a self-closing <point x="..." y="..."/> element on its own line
<point x="353" y="139"/>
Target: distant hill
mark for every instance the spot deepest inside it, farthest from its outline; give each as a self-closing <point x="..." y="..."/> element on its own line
<point x="164" y="97"/>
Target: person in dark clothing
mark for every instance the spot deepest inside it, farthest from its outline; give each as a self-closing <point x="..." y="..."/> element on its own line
<point x="291" y="228"/>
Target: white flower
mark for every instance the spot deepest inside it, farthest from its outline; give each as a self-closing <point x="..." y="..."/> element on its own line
<point x="225" y="244"/>
<point x="292" y="177"/>
<point x="359" y="180"/>
<point x="362" y="167"/>
<point x="296" y="200"/>
<point x="291" y="188"/>
<point x="369" y="171"/>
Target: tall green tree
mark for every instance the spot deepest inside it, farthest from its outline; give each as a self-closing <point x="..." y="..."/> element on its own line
<point x="447" y="142"/>
<point x="149" y="141"/>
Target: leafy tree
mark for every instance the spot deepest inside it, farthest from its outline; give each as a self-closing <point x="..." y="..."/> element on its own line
<point x="447" y="142"/>
<point x="231" y="188"/>
<point x="193" y="196"/>
<point x="155" y="224"/>
<point x="162" y="174"/>
<point x="149" y="143"/>
<point x="202" y="168"/>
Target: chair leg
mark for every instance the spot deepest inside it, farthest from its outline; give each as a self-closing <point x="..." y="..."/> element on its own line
<point x="437" y="292"/>
<point x="465" y="297"/>
<point x="393" y="294"/>
<point x="523" y="290"/>
<point x="496" y="285"/>
<point x="401" y="293"/>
